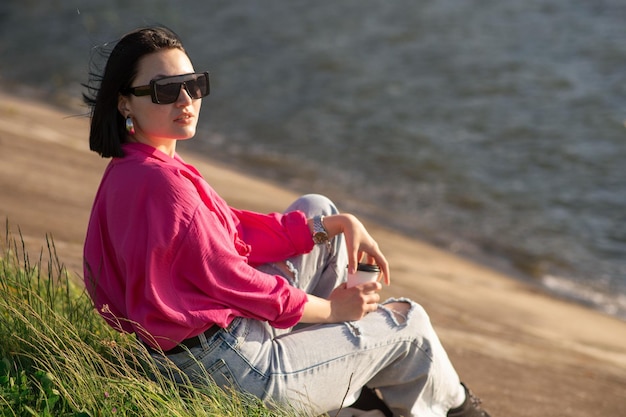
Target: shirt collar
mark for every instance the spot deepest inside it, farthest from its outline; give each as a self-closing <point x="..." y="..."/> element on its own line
<point x="142" y="148"/>
<point x="137" y="148"/>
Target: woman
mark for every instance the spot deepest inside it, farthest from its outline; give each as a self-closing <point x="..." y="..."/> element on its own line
<point x="217" y="291"/>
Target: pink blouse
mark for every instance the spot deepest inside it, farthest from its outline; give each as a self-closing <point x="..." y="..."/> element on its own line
<point x="166" y="257"/>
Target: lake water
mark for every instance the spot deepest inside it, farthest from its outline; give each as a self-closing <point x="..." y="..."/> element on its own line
<point x="491" y="128"/>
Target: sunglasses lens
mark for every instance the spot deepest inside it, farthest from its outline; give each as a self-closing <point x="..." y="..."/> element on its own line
<point x="167" y="93"/>
<point x="198" y="87"/>
<point x="167" y="90"/>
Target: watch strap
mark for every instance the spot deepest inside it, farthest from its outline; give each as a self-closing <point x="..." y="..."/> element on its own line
<point x="320" y="235"/>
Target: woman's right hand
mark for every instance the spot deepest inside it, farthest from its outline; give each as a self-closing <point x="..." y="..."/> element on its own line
<point x="348" y="304"/>
<point x="343" y="304"/>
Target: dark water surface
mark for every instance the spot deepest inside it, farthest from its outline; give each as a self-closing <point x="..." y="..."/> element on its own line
<point x="493" y="128"/>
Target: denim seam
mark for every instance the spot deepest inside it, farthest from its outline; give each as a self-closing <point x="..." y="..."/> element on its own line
<point x="343" y="357"/>
<point x="235" y="349"/>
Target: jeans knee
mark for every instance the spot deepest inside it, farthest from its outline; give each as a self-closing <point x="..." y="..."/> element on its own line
<point x="419" y="311"/>
<point x="314" y="205"/>
<point x="400" y="310"/>
<point x="405" y="310"/>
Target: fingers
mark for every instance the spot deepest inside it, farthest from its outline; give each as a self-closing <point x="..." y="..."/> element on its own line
<point x="361" y="246"/>
<point x="379" y="259"/>
<point x="352" y="262"/>
<point x="372" y="303"/>
<point x="375" y="256"/>
<point x="384" y="269"/>
<point x="373" y="299"/>
<point x="370" y="287"/>
<point x="370" y="296"/>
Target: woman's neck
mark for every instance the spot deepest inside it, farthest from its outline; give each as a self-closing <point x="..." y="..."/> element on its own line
<point x="167" y="146"/>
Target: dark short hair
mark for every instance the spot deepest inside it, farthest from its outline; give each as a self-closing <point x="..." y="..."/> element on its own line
<point x="107" y="132"/>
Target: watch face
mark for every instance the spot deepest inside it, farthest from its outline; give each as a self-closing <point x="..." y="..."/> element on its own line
<point x="320" y="237"/>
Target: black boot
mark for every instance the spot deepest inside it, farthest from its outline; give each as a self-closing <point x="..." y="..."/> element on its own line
<point x="369" y="400"/>
<point x="470" y="407"/>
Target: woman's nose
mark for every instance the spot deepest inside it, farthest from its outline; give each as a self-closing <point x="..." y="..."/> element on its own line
<point x="184" y="97"/>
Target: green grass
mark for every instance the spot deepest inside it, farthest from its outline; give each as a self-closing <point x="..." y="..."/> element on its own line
<point x="59" y="358"/>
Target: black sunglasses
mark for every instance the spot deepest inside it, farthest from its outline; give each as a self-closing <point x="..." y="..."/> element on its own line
<point x="167" y="89"/>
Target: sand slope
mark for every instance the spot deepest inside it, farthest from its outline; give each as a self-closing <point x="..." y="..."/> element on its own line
<point x="523" y="352"/>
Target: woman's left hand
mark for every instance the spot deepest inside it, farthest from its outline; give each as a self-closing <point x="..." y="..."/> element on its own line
<point x="358" y="242"/>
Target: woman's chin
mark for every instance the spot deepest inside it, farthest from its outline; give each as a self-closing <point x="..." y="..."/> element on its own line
<point x="187" y="134"/>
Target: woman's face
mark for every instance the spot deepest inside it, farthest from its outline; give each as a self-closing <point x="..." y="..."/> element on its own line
<point x="160" y="125"/>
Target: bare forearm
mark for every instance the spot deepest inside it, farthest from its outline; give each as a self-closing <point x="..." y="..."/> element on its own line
<point x="316" y="310"/>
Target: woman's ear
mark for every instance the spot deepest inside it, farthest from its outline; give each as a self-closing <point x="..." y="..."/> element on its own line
<point x="123" y="105"/>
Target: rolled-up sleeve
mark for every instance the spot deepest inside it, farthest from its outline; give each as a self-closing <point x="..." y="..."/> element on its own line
<point x="221" y="284"/>
<point x="274" y="237"/>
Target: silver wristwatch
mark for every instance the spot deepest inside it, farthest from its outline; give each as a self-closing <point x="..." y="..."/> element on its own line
<point x="320" y="235"/>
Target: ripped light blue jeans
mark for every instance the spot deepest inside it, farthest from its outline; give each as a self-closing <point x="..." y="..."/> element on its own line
<point x="322" y="367"/>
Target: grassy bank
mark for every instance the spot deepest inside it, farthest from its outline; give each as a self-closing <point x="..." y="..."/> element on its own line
<point x="59" y="358"/>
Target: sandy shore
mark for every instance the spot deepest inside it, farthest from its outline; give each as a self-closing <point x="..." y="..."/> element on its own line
<point x="523" y="352"/>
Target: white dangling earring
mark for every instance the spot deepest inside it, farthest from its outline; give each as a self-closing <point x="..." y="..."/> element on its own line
<point x="130" y="126"/>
